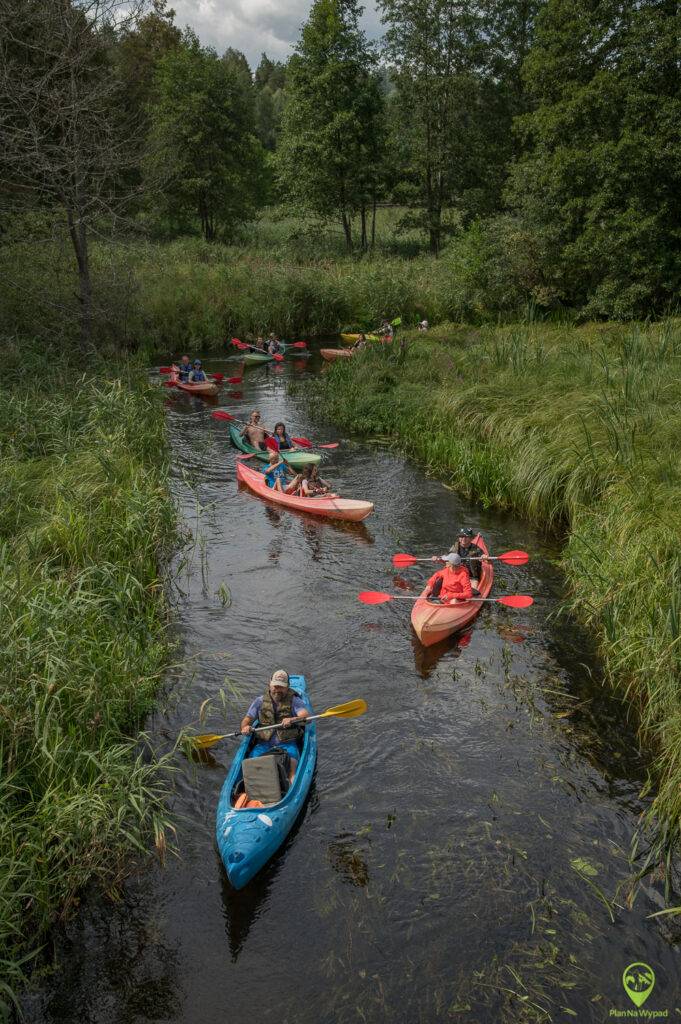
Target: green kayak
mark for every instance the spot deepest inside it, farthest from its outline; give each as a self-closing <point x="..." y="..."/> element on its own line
<point x="295" y="458"/>
<point x="257" y="357"/>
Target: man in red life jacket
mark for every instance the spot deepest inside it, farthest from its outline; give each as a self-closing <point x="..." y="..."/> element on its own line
<point x="451" y="584"/>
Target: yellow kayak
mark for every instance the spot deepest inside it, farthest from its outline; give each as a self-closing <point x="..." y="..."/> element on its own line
<point x="350" y="339"/>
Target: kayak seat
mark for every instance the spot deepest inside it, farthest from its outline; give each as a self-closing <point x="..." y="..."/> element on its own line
<point x="261" y="779"/>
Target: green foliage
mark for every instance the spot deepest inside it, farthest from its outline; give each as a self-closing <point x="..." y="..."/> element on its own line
<point x="84" y="517"/>
<point x="600" y="184"/>
<point x="328" y="156"/>
<point x="202" y="142"/>
<point x="576" y="429"/>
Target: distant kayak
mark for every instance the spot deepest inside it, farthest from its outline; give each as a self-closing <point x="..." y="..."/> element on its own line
<point x="205" y="388"/>
<point x="257" y="357"/>
<point x="331" y="354"/>
<point x="247" y="838"/>
<point x="350" y="339"/>
<point x="434" y="622"/>
<point x="329" y="507"/>
<point x="294" y="458"/>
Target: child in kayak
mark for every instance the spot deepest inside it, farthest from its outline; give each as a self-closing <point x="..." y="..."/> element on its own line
<point x="197" y="376"/>
<point x="278" y="474"/>
<point x="451" y="584"/>
<point x="312" y="485"/>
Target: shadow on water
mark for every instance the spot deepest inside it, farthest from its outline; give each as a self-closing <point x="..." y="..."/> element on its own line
<point x="464" y="854"/>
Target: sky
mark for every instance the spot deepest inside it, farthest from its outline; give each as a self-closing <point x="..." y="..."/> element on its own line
<point x="254" y="26"/>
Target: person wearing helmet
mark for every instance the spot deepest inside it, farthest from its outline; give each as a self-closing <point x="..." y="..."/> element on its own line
<point x="451" y="584"/>
<point x="197" y="376"/>
<point x="471" y="554"/>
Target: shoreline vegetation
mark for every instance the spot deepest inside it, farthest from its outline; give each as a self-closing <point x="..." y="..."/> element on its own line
<point x="575" y="428"/>
<point x="85" y="523"/>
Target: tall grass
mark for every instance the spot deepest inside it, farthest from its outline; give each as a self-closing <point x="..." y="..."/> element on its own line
<point x="575" y="428"/>
<point x="84" y="518"/>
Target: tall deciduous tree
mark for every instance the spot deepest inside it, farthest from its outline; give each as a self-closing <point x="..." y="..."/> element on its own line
<point x="601" y="181"/>
<point x="203" y="138"/>
<point x="327" y="158"/>
<point x="433" y="48"/>
<point x="65" y="142"/>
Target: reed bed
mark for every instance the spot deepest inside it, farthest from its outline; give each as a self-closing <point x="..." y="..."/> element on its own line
<point x="576" y="429"/>
<point x="84" y="519"/>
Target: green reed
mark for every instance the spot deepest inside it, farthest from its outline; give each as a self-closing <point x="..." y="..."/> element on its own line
<point x="576" y="429"/>
<point x="85" y="520"/>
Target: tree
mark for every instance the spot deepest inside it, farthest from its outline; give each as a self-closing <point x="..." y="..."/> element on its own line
<point x="333" y="113"/>
<point x="202" y="138"/>
<point x="65" y="144"/>
<point x="270" y="78"/>
<point x="433" y="47"/>
<point x="600" y="183"/>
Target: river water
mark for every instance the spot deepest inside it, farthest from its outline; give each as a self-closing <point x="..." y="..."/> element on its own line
<point x="463" y="853"/>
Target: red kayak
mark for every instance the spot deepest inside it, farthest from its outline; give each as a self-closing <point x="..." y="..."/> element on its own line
<point x="331" y="354"/>
<point x="434" y="622"/>
<point x="329" y="506"/>
<point x="207" y="387"/>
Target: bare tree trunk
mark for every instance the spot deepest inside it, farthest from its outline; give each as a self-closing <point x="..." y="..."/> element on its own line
<point x="373" y="219"/>
<point x="79" y="239"/>
<point x="363" y="215"/>
<point x="347" y="228"/>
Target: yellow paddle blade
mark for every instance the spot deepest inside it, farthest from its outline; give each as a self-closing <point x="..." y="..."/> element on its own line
<point x="353" y="709"/>
<point x="207" y="740"/>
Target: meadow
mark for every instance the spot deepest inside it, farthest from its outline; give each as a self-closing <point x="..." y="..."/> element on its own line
<point x="574" y="428"/>
<point x="85" y="525"/>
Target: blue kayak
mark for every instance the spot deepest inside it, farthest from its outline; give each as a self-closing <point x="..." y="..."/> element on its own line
<point x="248" y="838"/>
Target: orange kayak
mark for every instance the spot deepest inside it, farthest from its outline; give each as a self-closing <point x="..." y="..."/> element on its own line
<point x="331" y="507"/>
<point x="205" y="388"/>
<point x="434" y="622"/>
<point x="330" y="354"/>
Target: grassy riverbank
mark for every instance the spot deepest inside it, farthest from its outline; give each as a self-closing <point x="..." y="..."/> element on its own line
<point x="575" y="428"/>
<point x="84" y="519"/>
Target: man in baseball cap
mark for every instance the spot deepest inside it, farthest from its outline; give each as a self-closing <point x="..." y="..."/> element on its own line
<point x="282" y="708"/>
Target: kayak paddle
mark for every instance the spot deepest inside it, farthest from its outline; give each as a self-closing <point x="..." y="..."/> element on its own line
<point x="512" y="601"/>
<point x="352" y="709"/>
<point x="304" y="442"/>
<point x="508" y="558"/>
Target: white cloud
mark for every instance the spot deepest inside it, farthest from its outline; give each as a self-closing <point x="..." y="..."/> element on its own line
<point x="254" y="26"/>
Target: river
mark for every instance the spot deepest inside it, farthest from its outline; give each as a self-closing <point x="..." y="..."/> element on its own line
<point x="460" y="854"/>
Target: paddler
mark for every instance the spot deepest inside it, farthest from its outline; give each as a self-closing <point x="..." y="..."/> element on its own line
<point x="471" y="555"/>
<point x="254" y="432"/>
<point x="279" y="476"/>
<point x="279" y="706"/>
<point x="451" y="584"/>
<point x="197" y="376"/>
<point x="184" y="369"/>
<point x="273" y="345"/>
<point x="281" y="436"/>
<point x="360" y="343"/>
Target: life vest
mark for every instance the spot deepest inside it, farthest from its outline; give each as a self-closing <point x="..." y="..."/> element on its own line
<point x="268" y="716"/>
<point x="198" y="376"/>
<point x="183" y="373"/>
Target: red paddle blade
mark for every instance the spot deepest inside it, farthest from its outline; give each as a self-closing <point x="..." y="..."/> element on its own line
<point x="402" y="561"/>
<point x="236" y="342"/>
<point x="516" y="600"/>
<point x="234" y="380"/>
<point x="299" y="344"/>
<point x="218" y="376"/>
<point x="168" y="383"/>
<point x="271" y="444"/>
<point x="165" y="369"/>
<point x="373" y="597"/>
<point x="304" y="442"/>
<point x="514" y="558"/>
<point x="219" y="414"/>
<point x="278" y="358"/>
<point x="334" y="444"/>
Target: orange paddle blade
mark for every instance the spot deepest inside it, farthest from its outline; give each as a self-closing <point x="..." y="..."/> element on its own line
<point x="374" y="597"/>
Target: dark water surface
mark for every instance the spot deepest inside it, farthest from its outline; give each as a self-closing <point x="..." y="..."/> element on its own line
<point x="460" y="854"/>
